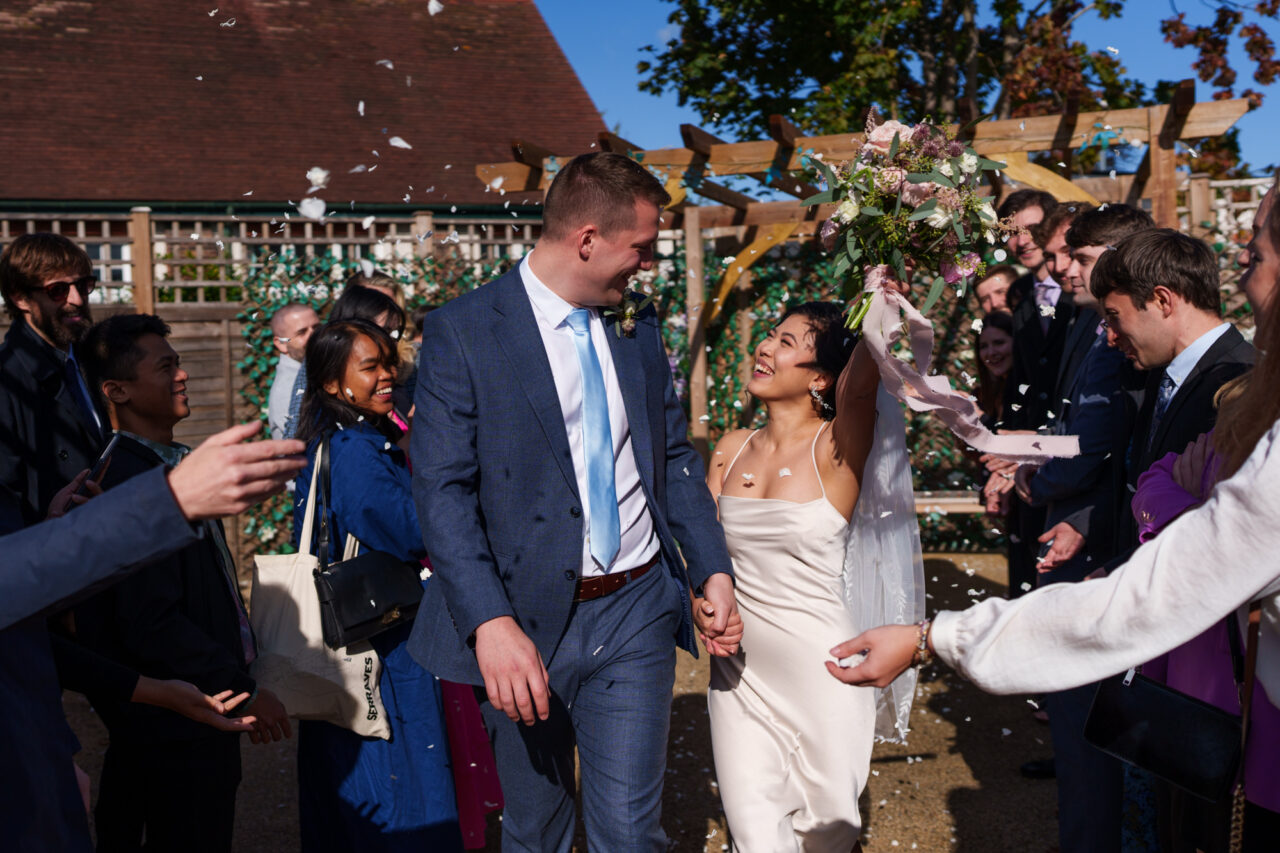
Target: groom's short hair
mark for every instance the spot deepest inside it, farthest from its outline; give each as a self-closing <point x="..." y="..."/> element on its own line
<point x="598" y="189"/>
<point x="1160" y="257"/>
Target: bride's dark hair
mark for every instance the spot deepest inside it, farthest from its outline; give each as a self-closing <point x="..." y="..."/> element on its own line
<point x="832" y="344"/>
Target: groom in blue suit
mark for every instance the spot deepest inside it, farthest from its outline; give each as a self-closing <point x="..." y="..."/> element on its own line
<point x="554" y="478"/>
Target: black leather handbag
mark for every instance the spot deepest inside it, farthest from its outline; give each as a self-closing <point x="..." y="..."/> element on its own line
<point x="363" y="594"/>
<point x="1182" y="740"/>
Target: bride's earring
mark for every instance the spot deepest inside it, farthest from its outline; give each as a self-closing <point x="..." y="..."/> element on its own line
<point x="824" y="408"/>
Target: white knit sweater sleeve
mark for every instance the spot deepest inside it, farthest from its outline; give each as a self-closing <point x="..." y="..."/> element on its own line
<point x="1204" y="565"/>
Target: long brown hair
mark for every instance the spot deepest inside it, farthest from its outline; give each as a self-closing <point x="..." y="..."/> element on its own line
<point x="1248" y="413"/>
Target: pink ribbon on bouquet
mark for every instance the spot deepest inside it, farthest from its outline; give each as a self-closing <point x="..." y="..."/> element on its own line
<point x="910" y="383"/>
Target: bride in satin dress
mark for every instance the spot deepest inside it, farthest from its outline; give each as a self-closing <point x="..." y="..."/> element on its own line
<point x="820" y="521"/>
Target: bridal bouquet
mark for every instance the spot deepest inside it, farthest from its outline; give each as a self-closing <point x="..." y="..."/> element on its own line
<point x="908" y="202"/>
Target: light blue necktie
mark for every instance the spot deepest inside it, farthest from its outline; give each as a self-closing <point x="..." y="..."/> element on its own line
<point x="597" y="441"/>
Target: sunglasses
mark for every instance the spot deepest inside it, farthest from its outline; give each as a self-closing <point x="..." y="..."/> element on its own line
<point x="58" y="291"/>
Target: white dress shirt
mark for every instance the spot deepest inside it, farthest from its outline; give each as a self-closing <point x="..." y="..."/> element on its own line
<point x="1184" y="362"/>
<point x="638" y="542"/>
<point x="1210" y="561"/>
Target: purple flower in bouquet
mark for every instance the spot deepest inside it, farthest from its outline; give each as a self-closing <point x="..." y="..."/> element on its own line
<point x="963" y="267"/>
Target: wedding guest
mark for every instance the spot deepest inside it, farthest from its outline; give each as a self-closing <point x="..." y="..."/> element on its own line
<point x="1162" y="309"/>
<point x="995" y="359"/>
<point x="357" y="302"/>
<point x="1076" y="495"/>
<point x="166" y="778"/>
<point x="1203" y="667"/>
<point x="1025" y="209"/>
<point x="807" y="503"/>
<point x="51" y="565"/>
<point x="50" y="425"/>
<point x="358" y="793"/>
<point x="291" y="328"/>
<point x="992" y="289"/>
<point x="1042" y="323"/>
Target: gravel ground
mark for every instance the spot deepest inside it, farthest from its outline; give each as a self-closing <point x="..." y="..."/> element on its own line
<point x="953" y="787"/>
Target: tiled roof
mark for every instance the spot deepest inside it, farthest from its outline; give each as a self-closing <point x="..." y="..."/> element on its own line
<point x="152" y="100"/>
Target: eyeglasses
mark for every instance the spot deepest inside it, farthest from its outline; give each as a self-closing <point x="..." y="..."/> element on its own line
<point x="58" y="291"/>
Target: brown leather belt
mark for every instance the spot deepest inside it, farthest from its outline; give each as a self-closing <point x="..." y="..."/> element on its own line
<point x="596" y="587"/>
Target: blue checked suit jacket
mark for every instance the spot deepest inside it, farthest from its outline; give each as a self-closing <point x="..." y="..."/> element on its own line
<point x="494" y="483"/>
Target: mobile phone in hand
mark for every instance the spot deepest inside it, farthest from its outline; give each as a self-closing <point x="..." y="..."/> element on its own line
<point x="96" y="471"/>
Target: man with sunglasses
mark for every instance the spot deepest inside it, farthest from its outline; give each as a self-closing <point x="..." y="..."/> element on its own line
<point x="50" y="428"/>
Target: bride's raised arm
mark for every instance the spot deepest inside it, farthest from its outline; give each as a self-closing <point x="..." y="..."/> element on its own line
<point x="855" y="422"/>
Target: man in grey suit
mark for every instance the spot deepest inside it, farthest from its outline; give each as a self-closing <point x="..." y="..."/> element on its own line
<point x="554" y="478"/>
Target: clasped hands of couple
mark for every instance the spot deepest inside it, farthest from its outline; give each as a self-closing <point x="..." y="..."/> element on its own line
<point x="515" y="676"/>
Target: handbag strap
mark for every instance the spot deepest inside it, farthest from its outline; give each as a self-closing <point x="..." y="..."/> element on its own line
<point x="352" y="546"/>
<point x="309" y="515"/>
<point x="322" y="474"/>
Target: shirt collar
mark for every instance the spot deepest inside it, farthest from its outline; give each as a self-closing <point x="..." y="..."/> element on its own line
<point x="170" y="454"/>
<point x="1184" y="362"/>
<point x="549" y="307"/>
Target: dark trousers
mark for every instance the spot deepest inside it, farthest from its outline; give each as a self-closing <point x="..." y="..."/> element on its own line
<point x="178" y="795"/>
<point x="611" y="681"/>
<point x="1090" y="782"/>
<point x="1025" y="524"/>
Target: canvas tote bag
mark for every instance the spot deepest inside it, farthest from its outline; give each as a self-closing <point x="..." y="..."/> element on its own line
<point x="313" y="681"/>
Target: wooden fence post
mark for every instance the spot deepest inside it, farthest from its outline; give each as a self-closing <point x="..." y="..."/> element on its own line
<point x="424" y="224"/>
<point x="1199" y="205"/>
<point x="695" y="298"/>
<point x="142" y="257"/>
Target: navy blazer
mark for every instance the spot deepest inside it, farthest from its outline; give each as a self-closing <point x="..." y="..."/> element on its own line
<point x="47" y="567"/>
<point x="1037" y="357"/>
<point x="1191" y="413"/>
<point x="494" y="481"/>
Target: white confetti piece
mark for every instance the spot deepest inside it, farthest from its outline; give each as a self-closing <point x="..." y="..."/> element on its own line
<point x="999" y="255"/>
<point x="360" y="108"/>
<point x="229" y="22"/>
<point x="366" y="267"/>
<point x="318" y="177"/>
<point x="367" y="222"/>
<point x="435" y="7"/>
<point x="312" y="208"/>
<point x="748" y="477"/>
<point x="250" y="192"/>
<point x="385" y="63"/>
<point x="361" y="168"/>
<point x="1022" y="389"/>
<point x="213" y="12"/>
<point x="397" y="142"/>
<point x="1006" y="732"/>
<point x="784" y="472"/>
<point x="1113" y="50"/>
<point x="200" y="77"/>
<point x="1022" y="125"/>
<point x="886" y="513"/>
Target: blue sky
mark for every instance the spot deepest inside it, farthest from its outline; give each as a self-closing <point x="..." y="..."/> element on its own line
<point x="603" y="39"/>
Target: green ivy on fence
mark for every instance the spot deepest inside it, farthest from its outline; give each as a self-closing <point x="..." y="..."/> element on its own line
<point x="788" y="275"/>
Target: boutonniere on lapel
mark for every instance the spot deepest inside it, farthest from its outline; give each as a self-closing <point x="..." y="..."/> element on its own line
<point x="624" y="315"/>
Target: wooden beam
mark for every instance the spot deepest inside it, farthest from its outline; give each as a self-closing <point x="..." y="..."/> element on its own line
<point x="142" y="255"/>
<point x="695" y="298"/>
<point x="530" y="153"/>
<point x="1066" y="130"/>
<point x="776" y="175"/>
<point x="783" y="131"/>
<point x="1038" y="133"/>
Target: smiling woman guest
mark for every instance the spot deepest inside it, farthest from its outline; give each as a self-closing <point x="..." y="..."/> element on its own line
<point x="358" y="793"/>
<point x="995" y="358"/>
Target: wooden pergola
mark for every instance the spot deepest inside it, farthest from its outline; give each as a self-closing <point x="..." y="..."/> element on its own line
<point x="775" y="162"/>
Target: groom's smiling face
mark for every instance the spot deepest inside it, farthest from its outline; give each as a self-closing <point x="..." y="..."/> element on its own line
<point x="615" y="258"/>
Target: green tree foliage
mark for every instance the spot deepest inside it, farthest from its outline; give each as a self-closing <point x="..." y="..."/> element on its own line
<point x="823" y="62"/>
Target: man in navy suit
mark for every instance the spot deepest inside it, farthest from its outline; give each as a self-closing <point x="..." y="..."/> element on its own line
<point x="553" y="478"/>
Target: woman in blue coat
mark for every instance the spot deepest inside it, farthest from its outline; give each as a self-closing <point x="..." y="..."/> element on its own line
<point x="358" y="793"/>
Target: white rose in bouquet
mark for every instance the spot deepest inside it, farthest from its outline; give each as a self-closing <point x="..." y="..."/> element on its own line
<point x="847" y="211"/>
<point x="968" y="163"/>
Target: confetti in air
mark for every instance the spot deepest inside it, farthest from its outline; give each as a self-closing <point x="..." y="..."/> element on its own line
<point x="397" y="142"/>
<point x="360" y="108"/>
<point x="312" y="208"/>
<point x="366" y="266"/>
<point x="435" y="7"/>
<point x="229" y="22"/>
<point x="318" y="178"/>
<point x="385" y="63"/>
